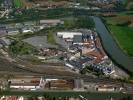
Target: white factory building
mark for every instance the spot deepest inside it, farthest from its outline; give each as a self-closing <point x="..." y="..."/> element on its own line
<point x="68" y="35"/>
<point x="71" y="37"/>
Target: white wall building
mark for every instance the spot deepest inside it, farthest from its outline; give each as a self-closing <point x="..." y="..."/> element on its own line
<point x="66" y="35"/>
<point x="27" y="30"/>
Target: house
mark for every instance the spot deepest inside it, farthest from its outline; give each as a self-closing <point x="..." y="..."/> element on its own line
<point x="78" y="63"/>
<point x="105" y="88"/>
<point x="24" y="84"/>
<point x="60" y="84"/>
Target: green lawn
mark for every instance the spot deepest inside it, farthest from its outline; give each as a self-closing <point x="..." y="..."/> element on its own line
<point x="79" y="22"/>
<point x="21" y="48"/>
<point x="122" y="29"/>
<point x="50" y="38"/>
<point x="128" y="4"/>
<point x="125" y="13"/>
<point x="124" y="37"/>
<point x="18" y="3"/>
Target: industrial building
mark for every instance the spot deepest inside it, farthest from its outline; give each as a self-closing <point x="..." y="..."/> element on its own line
<point x="71" y="38"/>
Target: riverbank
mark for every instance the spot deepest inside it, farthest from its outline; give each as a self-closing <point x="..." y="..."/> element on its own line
<point x="112" y="48"/>
<point x="124" y="38"/>
<point x="121" y="28"/>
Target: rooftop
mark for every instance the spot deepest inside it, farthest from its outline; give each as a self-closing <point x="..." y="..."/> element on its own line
<point x="77" y="39"/>
<point x="68" y="34"/>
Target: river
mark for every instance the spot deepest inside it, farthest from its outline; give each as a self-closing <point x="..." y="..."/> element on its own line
<point x="111" y="46"/>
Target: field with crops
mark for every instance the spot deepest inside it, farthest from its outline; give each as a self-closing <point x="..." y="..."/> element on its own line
<point x="23" y="4"/>
<point x="125" y="20"/>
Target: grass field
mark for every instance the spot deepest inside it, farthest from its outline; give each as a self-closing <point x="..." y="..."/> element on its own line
<point x="128" y="4"/>
<point x="50" y="38"/>
<point x="124" y="13"/>
<point x="121" y="20"/>
<point x="18" y="47"/>
<point x="121" y="27"/>
<point x="124" y="37"/>
<point x="18" y="3"/>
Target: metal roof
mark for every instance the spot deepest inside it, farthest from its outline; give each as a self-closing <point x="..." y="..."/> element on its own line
<point x="77" y="39"/>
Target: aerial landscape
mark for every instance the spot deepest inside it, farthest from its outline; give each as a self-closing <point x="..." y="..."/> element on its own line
<point x="66" y="49"/>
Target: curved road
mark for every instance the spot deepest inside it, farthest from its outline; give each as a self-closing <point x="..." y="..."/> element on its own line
<point x="111" y="46"/>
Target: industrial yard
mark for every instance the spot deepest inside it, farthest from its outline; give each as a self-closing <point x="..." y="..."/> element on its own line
<point x="64" y="46"/>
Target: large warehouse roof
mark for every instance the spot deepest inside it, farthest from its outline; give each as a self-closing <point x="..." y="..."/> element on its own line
<point x="68" y="34"/>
